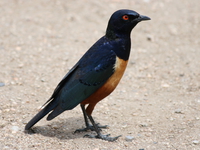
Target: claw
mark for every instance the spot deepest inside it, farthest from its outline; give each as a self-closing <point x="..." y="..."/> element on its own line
<point x="103" y="137"/>
<point x="91" y="128"/>
<point x="81" y="130"/>
<point x="95" y="127"/>
<point x="89" y="136"/>
<point x="102" y="127"/>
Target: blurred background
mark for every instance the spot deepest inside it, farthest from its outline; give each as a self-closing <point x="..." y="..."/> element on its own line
<point x="157" y="103"/>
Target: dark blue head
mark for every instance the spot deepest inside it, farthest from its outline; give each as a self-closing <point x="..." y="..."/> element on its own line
<point x="122" y="22"/>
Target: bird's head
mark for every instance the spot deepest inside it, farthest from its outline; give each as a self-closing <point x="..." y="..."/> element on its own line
<point x="122" y="22"/>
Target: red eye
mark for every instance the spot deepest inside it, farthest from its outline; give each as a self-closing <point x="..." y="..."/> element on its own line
<point x="125" y="17"/>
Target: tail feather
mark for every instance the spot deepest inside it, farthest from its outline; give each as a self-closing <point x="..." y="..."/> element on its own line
<point x="49" y="107"/>
<point x="57" y="111"/>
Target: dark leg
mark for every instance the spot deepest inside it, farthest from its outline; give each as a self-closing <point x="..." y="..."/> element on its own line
<point x="87" y="124"/>
<point x="99" y="135"/>
<point x="85" y="116"/>
<point x="94" y="127"/>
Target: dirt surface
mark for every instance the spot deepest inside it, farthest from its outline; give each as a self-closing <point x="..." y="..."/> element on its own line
<point x="157" y="103"/>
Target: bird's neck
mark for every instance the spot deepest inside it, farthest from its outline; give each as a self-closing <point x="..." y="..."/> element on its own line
<point x="110" y="34"/>
<point x="122" y="44"/>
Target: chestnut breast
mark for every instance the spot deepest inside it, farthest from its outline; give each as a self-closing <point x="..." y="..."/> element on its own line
<point x="110" y="84"/>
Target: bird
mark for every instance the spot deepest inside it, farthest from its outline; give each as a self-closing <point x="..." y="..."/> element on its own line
<point x="95" y="75"/>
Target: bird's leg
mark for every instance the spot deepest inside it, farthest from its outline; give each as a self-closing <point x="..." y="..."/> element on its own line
<point x="99" y="135"/>
<point x="85" y="116"/>
<point x="87" y="124"/>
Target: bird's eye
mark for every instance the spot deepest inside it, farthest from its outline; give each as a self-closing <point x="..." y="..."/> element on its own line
<point x="125" y="17"/>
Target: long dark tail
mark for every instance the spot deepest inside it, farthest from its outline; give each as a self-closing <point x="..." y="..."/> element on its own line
<point x="41" y="114"/>
<point x="57" y="111"/>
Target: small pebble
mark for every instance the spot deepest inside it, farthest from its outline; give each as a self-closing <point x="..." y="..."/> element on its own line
<point x="15" y="129"/>
<point x="129" y="138"/>
<point x="197" y="118"/>
<point x="165" y="85"/>
<point x="178" y="111"/>
<point x="181" y="74"/>
<point x="150" y="38"/>
<point x="55" y="126"/>
<point x="143" y="125"/>
<point x="42" y="80"/>
<point x="21" y="65"/>
<point x="6" y="147"/>
<point x="195" y="142"/>
<point x="2" y="84"/>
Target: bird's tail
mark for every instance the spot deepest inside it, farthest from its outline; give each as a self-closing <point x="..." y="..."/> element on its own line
<point x="57" y="111"/>
<point x="49" y="107"/>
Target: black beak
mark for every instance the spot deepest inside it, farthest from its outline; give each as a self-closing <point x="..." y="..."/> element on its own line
<point x="141" y="18"/>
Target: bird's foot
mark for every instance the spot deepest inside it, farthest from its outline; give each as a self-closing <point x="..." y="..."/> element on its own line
<point x="103" y="137"/>
<point x="91" y="128"/>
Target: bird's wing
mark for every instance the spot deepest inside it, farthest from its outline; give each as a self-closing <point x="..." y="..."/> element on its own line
<point x="91" y="72"/>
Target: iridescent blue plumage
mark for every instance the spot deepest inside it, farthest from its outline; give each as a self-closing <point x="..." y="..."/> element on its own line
<point x="96" y="74"/>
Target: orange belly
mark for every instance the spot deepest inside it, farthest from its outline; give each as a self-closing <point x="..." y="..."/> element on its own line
<point x="108" y="87"/>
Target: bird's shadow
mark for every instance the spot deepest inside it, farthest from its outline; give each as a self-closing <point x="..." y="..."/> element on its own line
<point x="63" y="129"/>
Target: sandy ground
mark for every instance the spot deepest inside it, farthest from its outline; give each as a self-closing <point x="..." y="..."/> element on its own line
<point x="157" y="103"/>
